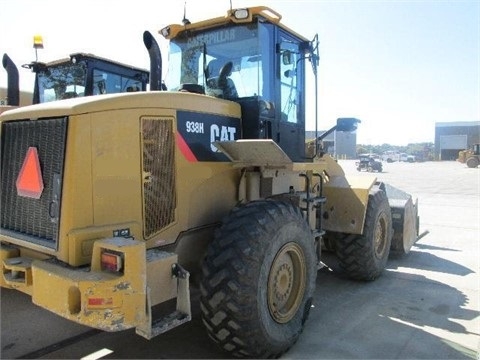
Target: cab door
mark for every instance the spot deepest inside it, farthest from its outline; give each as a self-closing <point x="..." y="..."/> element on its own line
<point x="291" y="102"/>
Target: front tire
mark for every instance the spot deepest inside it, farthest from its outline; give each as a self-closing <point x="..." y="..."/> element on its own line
<point x="364" y="257"/>
<point x="258" y="279"/>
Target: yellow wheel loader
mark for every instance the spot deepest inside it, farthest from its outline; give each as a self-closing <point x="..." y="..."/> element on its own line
<point x="471" y="156"/>
<point x="78" y="75"/>
<point x="113" y="205"/>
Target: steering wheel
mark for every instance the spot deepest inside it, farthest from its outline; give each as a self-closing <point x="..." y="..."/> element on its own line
<point x="225" y="83"/>
<point x="225" y="71"/>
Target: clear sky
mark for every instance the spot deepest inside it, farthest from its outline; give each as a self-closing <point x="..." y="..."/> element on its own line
<point x="398" y="66"/>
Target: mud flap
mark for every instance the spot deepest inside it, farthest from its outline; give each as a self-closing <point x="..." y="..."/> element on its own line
<point x="405" y="220"/>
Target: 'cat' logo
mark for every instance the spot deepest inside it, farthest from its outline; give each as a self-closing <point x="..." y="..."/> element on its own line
<point x="29" y="181"/>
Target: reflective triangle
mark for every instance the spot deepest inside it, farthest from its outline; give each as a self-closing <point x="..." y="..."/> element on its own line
<point x="30" y="182"/>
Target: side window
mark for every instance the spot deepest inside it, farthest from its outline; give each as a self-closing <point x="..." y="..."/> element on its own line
<point x="99" y="82"/>
<point x="108" y="83"/>
<point x="289" y="56"/>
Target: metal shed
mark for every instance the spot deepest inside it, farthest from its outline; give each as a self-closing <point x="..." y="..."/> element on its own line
<point x="451" y="137"/>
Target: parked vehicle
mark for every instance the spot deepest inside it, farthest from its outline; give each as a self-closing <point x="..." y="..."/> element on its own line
<point x="78" y="75"/>
<point x="109" y="203"/>
<point x="391" y="156"/>
<point x="471" y="156"/>
<point x="368" y="163"/>
<point x="407" y="158"/>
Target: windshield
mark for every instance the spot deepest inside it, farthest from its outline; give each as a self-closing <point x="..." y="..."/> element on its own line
<point x="70" y="80"/>
<point x="62" y="82"/>
<point x="201" y="59"/>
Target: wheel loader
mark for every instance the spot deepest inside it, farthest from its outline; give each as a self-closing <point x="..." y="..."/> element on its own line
<point x="81" y="74"/>
<point x="115" y="206"/>
<point x="471" y="156"/>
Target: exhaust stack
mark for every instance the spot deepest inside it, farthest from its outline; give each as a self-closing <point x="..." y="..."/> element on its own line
<point x="13" y="87"/>
<point x="155" y="61"/>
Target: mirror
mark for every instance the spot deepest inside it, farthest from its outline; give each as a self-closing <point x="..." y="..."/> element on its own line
<point x="287" y="57"/>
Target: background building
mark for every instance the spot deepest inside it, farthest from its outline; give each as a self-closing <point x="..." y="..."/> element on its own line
<point x="451" y="137"/>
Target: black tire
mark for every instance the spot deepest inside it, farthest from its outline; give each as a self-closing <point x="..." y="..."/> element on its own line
<point x="258" y="280"/>
<point x="472" y="162"/>
<point x="364" y="257"/>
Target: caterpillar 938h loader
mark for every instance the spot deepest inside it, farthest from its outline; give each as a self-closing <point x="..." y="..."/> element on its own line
<point x="110" y="203"/>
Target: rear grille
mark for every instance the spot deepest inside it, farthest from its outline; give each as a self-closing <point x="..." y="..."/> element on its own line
<point x="28" y="219"/>
<point x="159" y="197"/>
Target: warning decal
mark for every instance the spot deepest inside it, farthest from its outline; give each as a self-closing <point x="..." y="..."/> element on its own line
<point x="30" y="182"/>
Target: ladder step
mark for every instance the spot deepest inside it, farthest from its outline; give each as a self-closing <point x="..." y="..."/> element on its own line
<point x="183" y="313"/>
<point x="319" y="200"/>
<point x="169" y="322"/>
<point x="316" y="200"/>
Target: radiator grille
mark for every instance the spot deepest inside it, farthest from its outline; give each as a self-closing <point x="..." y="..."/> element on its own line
<point x="32" y="220"/>
<point x="159" y="198"/>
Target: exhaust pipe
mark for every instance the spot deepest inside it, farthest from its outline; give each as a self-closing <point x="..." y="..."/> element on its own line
<point x="13" y="87"/>
<point x="155" y="61"/>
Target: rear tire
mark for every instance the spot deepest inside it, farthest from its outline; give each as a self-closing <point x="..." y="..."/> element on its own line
<point x="258" y="280"/>
<point x="472" y="162"/>
<point x="364" y="257"/>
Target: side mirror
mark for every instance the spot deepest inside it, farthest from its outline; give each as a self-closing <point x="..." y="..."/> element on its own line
<point x="347" y="124"/>
<point x="287" y="57"/>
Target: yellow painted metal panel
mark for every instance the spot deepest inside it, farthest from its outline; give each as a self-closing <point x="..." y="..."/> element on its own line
<point x="346" y="205"/>
<point x="83" y="296"/>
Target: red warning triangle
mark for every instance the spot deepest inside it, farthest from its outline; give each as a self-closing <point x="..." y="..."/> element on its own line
<point x="30" y="181"/>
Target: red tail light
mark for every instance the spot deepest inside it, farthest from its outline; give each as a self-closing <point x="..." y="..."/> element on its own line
<point x="112" y="261"/>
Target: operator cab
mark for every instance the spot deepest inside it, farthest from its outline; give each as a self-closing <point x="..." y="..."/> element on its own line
<point x="476" y="149"/>
<point x="84" y="75"/>
<point x="254" y="61"/>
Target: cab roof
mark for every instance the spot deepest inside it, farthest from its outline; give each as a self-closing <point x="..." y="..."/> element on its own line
<point x="238" y="16"/>
<point x="87" y="56"/>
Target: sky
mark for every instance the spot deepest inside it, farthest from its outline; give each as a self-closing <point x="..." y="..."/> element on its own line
<point x="398" y="66"/>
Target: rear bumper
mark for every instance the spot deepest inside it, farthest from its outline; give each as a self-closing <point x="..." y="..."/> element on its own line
<point x="92" y="297"/>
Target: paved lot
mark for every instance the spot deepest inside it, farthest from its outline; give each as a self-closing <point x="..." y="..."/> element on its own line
<point x="425" y="305"/>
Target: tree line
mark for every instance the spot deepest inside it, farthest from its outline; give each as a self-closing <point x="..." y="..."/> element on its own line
<point x="422" y="151"/>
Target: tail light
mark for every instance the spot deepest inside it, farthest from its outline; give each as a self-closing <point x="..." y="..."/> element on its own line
<point x="112" y="261"/>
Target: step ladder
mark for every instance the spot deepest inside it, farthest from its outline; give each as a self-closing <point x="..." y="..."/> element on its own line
<point x="182" y="314"/>
<point x="315" y="203"/>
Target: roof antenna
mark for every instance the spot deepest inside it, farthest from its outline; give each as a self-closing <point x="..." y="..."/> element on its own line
<point x="185" y="21"/>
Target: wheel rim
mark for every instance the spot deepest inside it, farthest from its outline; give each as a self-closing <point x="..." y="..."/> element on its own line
<point x="286" y="283"/>
<point x="380" y="236"/>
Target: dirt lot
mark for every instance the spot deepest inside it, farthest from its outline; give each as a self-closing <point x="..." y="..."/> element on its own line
<point x="424" y="306"/>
